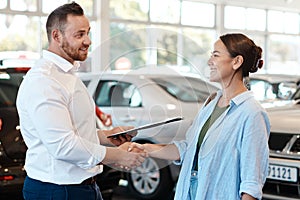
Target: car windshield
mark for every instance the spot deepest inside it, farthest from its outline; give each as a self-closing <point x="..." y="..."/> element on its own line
<point x="9" y="85"/>
<point x="296" y="95"/>
<point x="186" y="89"/>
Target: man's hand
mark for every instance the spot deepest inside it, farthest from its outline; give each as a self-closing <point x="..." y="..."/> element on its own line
<point x="127" y="156"/>
<point x="106" y="119"/>
<point x="120" y="139"/>
<point x="134" y="148"/>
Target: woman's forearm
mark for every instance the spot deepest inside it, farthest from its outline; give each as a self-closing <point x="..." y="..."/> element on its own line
<point x="162" y="151"/>
<point x="246" y="196"/>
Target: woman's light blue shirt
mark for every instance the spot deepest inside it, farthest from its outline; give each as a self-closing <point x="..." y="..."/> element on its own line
<point x="233" y="158"/>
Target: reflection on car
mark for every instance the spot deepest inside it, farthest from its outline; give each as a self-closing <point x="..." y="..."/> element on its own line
<point x="150" y="95"/>
<point x="273" y="89"/>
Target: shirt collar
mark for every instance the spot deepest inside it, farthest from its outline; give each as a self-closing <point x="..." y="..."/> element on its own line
<point x="239" y="98"/>
<point x="60" y="62"/>
<point x="243" y="97"/>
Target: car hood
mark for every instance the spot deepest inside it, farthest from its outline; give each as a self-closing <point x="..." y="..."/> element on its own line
<point x="285" y="119"/>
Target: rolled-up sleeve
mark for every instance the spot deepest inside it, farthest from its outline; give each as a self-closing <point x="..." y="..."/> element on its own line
<point x="255" y="155"/>
<point x="181" y="146"/>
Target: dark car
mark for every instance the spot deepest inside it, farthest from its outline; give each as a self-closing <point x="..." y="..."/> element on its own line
<point x="12" y="146"/>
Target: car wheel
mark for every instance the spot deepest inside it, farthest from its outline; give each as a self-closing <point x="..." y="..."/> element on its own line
<point x="151" y="180"/>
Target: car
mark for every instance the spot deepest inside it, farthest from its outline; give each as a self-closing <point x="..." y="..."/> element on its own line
<point x="12" y="146"/>
<point x="296" y="96"/>
<point x="273" y="89"/>
<point x="149" y="95"/>
<point x="283" y="181"/>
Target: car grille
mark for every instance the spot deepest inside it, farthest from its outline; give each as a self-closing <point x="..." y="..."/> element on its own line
<point x="296" y="146"/>
<point x="287" y="146"/>
<point x="278" y="141"/>
<point x="284" y="145"/>
<point x="282" y="189"/>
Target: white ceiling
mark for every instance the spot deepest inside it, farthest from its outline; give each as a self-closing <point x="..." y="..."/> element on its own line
<point x="285" y="5"/>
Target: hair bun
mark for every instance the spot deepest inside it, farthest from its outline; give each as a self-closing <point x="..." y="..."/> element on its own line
<point x="260" y="64"/>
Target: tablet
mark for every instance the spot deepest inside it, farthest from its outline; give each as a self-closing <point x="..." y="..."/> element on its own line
<point x="133" y="131"/>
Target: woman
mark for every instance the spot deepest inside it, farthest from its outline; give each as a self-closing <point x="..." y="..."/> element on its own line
<point x="225" y="154"/>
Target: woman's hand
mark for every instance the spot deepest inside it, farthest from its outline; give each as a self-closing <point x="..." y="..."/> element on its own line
<point x="127" y="156"/>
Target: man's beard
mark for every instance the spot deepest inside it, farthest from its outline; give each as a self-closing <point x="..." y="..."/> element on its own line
<point x="72" y="52"/>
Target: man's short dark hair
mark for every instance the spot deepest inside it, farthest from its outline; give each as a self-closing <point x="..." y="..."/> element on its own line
<point x="58" y="18"/>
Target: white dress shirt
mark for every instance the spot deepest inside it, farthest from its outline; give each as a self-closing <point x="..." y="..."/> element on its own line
<point x="57" y="119"/>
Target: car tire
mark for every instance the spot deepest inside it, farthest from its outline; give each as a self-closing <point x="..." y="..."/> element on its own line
<point x="151" y="180"/>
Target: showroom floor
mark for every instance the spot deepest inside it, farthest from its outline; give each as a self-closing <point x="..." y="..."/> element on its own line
<point x="119" y="193"/>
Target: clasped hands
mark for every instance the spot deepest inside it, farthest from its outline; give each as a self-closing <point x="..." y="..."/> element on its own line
<point x="130" y="154"/>
<point x="136" y="155"/>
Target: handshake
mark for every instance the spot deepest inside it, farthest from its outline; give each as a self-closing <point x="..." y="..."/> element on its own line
<point x="137" y="153"/>
<point x="134" y="155"/>
<point x="128" y="155"/>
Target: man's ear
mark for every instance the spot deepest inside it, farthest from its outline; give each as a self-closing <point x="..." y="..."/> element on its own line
<point x="237" y="62"/>
<point x="56" y="35"/>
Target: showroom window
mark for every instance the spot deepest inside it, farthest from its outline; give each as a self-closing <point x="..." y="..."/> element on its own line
<point x="136" y="10"/>
<point x="244" y="18"/>
<point x="283" y="22"/>
<point x="23" y="5"/>
<point x="23" y="22"/>
<point x="284" y="54"/>
<point x="279" y="38"/>
<point x="177" y="33"/>
<point x="165" y="11"/>
<point x="197" y="14"/>
<point x="19" y="33"/>
<point x="145" y="35"/>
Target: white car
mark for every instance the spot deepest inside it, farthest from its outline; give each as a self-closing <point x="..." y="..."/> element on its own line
<point x="273" y="89"/>
<point x="146" y="96"/>
<point x="283" y="181"/>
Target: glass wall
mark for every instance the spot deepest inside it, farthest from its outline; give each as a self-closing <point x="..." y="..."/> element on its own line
<point x="171" y="33"/>
<point x="177" y="33"/>
<point x="180" y="33"/>
<point x="23" y="24"/>
<point x="279" y="38"/>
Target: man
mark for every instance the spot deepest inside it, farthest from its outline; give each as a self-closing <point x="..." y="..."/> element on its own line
<point x="57" y="118"/>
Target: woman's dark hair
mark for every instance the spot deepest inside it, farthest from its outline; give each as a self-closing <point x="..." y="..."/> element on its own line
<point x="58" y="18"/>
<point x="239" y="44"/>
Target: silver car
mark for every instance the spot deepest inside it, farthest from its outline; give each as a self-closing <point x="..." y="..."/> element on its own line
<point x="273" y="89"/>
<point x="146" y="96"/>
<point x="283" y="180"/>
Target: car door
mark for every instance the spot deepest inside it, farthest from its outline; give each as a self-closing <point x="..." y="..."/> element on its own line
<point x="11" y="141"/>
<point x="122" y="100"/>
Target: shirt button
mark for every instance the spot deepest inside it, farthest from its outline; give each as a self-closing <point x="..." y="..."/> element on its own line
<point x="194" y="174"/>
